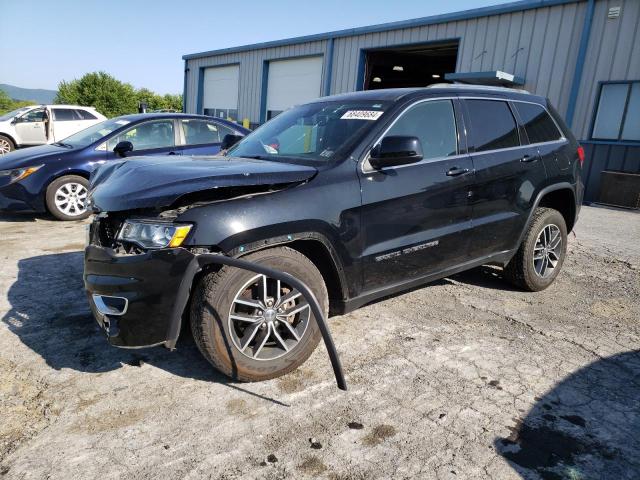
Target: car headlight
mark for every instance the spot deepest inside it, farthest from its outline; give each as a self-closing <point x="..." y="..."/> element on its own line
<point x="18" y="173"/>
<point x="153" y="235"/>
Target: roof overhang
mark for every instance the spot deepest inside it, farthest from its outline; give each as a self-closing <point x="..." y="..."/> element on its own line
<point x="494" y="77"/>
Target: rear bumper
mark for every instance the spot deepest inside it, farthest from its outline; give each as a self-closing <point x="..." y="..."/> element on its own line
<point x="147" y="283"/>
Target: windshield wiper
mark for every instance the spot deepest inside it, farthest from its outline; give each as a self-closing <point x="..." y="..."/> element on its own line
<point x="62" y="144"/>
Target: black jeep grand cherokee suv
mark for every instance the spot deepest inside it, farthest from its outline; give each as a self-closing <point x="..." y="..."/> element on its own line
<point x="358" y="195"/>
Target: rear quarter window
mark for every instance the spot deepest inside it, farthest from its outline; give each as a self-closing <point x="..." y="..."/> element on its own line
<point x="539" y="126"/>
<point x="64" y="114"/>
<point x="85" y="115"/>
<point x="492" y="125"/>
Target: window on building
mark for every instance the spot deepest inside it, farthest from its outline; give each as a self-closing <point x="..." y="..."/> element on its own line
<point x="539" y="125"/>
<point x="492" y="124"/>
<point x="434" y="124"/>
<point x="618" y="112"/>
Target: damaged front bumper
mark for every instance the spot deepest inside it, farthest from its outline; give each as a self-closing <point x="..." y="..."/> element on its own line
<point x="139" y="300"/>
<point x="133" y="296"/>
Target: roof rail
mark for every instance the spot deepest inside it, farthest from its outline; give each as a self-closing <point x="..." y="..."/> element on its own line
<point x="477" y="87"/>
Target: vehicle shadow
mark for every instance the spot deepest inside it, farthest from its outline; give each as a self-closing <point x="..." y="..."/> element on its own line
<point x="49" y="313"/>
<point x="586" y="427"/>
<point x="486" y="276"/>
<point x="23" y="217"/>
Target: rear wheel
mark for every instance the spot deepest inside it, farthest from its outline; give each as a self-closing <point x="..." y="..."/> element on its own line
<point x="6" y="145"/>
<point x="540" y="257"/>
<point x="67" y="196"/>
<point x="252" y="327"/>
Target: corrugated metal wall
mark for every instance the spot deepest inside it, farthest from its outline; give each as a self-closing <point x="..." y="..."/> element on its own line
<point x="251" y="64"/>
<point x="613" y="54"/>
<point x="540" y="45"/>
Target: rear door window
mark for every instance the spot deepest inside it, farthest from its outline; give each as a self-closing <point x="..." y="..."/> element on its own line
<point x="433" y="123"/>
<point x="199" y="132"/>
<point x="492" y="125"/>
<point x="539" y="125"/>
<point x="65" y="115"/>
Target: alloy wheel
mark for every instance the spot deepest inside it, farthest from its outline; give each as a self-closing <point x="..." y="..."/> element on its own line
<point x="267" y="318"/>
<point x="547" y="251"/>
<point x="5" y="147"/>
<point x="70" y="199"/>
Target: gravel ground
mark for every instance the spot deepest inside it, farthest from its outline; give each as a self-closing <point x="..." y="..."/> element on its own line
<point x="465" y="378"/>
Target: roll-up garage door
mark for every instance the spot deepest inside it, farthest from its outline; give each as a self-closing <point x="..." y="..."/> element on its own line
<point x="292" y="82"/>
<point x="220" y="92"/>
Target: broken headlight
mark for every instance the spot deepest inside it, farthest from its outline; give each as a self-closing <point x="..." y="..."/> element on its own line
<point x="153" y="235"/>
<point x="18" y="173"/>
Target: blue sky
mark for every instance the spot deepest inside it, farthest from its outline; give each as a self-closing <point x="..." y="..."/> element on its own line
<point x="141" y="42"/>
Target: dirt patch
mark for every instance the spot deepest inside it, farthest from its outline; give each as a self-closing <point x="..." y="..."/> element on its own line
<point x="295" y="381"/>
<point x="24" y="406"/>
<point x="65" y="248"/>
<point x="111" y="420"/>
<point x="312" y="465"/>
<point x="378" y="435"/>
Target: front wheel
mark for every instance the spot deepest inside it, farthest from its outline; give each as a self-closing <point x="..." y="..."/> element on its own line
<point x="6" y="145"/>
<point x="539" y="259"/>
<point x="252" y="327"/>
<point x="67" y="196"/>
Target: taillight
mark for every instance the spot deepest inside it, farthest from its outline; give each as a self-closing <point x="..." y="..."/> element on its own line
<point x="581" y="155"/>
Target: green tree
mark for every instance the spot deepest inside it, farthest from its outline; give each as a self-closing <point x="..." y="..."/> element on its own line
<point x="7" y="103"/>
<point x="109" y="96"/>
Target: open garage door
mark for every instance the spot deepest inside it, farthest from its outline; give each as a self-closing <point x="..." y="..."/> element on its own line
<point x="413" y="66"/>
<point x="220" y="92"/>
<point x="291" y="82"/>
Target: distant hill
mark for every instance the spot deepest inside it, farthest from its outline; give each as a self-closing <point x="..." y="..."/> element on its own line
<point x="37" y="95"/>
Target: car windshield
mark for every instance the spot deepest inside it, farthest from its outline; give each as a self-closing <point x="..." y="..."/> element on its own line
<point x="315" y="132"/>
<point x="94" y="133"/>
<point x="13" y="113"/>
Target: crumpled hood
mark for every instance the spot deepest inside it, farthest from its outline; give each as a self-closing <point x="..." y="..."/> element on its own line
<point x="154" y="182"/>
<point x="31" y="156"/>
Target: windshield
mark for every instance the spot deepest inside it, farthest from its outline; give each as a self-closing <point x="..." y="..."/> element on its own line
<point x="316" y="132"/>
<point x="94" y="133"/>
<point x="13" y="113"/>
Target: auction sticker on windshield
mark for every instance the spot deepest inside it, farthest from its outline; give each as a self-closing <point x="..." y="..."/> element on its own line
<point x="361" y="115"/>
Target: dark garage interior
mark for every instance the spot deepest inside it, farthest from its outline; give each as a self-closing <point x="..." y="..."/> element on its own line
<point x="409" y="66"/>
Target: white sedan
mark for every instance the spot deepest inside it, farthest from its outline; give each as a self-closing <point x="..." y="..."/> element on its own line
<point x="42" y="124"/>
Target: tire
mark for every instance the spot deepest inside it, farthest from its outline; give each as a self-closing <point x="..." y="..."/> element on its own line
<point x="526" y="272"/>
<point x="70" y="210"/>
<point x="6" y="145"/>
<point x="217" y="334"/>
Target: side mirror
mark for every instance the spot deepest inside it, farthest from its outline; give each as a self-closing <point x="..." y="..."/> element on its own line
<point x="122" y="148"/>
<point x="16" y="120"/>
<point x="229" y="141"/>
<point x="395" y="151"/>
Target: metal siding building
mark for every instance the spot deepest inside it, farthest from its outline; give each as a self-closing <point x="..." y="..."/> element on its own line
<point x="563" y="49"/>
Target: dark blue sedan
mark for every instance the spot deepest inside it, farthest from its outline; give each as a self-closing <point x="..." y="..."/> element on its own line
<point x="55" y="177"/>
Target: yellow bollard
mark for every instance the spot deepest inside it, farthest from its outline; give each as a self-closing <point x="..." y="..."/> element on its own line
<point x="246" y="123"/>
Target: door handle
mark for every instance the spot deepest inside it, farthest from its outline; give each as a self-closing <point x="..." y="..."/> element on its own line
<point x="455" y="171"/>
<point x="529" y="158"/>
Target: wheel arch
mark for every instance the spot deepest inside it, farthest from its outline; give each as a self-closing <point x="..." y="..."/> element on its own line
<point x="10" y="137"/>
<point x="60" y="174"/>
<point x="554" y="196"/>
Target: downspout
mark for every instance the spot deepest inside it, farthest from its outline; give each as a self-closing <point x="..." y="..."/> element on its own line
<point x="184" y="88"/>
<point x="329" y="70"/>
<point x="582" y="55"/>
